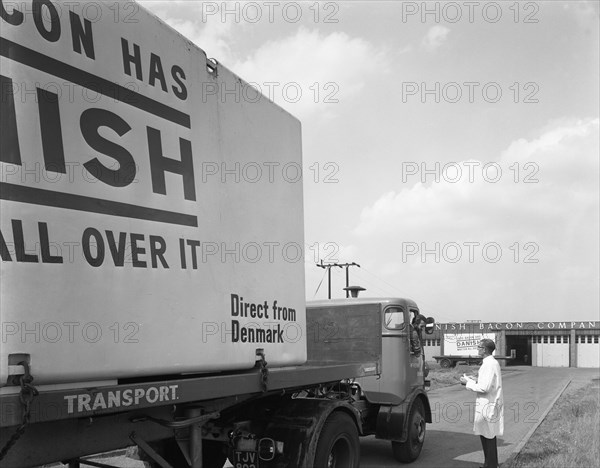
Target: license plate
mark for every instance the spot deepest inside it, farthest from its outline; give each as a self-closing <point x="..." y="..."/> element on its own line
<point x="245" y="459"/>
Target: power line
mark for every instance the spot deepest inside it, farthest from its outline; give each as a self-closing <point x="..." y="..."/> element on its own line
<point x="319" y="286"/>
<point x="373" y="285"/>
<point x="329" y="266"/>
<point x="394" y="288"/>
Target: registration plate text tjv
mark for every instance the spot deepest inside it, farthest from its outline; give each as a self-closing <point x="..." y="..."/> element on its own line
<point x="244" y="459"/>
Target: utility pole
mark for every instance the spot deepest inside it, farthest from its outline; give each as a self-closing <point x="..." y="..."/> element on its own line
<point x="340" y="265"/>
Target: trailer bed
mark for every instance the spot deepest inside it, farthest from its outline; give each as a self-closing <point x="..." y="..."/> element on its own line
<point x="79" y="402"/>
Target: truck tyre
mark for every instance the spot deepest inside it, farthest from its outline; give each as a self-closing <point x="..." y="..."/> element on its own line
<point x="338" y="445"/>
<point x="445" y="363"/>
<point x="409" y="451"/>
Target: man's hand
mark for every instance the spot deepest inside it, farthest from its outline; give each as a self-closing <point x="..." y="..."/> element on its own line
<point x="464" y="379"/>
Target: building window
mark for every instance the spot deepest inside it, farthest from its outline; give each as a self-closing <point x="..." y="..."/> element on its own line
<point x="595" y="338"/>
<point x="545" y="339"/>
<point x="589" y="339"/>
<point x="565" y="338"/>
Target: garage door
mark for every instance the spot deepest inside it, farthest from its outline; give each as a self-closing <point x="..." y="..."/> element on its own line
<point x="550" y="351"/>
<point x="588" y="351"/>
<point x="431" y="347"/>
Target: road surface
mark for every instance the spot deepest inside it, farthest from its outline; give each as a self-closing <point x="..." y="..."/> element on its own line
<point x="450" y="442"/>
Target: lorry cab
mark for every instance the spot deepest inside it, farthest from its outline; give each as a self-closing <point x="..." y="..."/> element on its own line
<point x="401" y="371"/>
<point x="378" y="330"/>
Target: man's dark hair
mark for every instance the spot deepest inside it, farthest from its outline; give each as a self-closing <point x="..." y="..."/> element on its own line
<point x="489" y="345"/>
<point x="419" y="318"/>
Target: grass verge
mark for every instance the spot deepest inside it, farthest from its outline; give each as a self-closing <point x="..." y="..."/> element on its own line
<point x="444" y="377"/>
<point x="568" y="437"/>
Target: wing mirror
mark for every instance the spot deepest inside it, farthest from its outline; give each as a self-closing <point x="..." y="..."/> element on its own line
<point x="429" y="328"/>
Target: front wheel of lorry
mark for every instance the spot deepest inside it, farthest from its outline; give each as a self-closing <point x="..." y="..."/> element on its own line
<point x="338" y="446"/>
<point x="409" y="451"/>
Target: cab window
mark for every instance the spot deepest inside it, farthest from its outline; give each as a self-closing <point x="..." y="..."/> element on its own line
<point x="394" y="318"/>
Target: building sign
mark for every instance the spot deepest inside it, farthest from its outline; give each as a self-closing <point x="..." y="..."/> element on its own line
<point x="464" y="344"/>
<point x="474" y="327"/>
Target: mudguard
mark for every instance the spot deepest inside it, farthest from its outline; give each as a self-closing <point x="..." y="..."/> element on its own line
<point x="392" y="420"/>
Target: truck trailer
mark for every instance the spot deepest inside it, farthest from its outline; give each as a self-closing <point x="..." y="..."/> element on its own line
<point x="150" y="294"/>
<point x="360" y="379"/>
<point x="462" y="347"/>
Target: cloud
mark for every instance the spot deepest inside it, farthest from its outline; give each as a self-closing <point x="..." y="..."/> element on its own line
<point x="541" y="216"/>
<point x="212" y="38"/>
<point x="585" y="13"/>
<point x="207" y="31"/>
<point x="313" y="71"/>
<point x="308" y="72"/>
<point x="435" y="37"/>
<point x="541" y="180"/>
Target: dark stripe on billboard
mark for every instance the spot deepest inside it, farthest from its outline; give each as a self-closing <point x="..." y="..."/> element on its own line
<point x="36" y="196"/>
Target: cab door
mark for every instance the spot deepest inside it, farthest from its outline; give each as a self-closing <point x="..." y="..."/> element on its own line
<point x="416" y="362"/>
<point x="397" y="375"/>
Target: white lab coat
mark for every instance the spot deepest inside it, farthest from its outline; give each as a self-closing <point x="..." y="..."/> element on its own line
<point x="489" y="405"/>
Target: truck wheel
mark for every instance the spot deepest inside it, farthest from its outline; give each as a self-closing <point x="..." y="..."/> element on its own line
<point x="338" y="445"/>
<point x="409" y="451"/>
<point x="445" y="363"/>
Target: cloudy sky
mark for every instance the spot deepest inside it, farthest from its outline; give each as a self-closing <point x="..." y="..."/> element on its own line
<point x="450" y="148"/>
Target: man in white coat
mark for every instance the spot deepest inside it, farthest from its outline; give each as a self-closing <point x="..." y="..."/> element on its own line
<point x="489" y="405"/>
